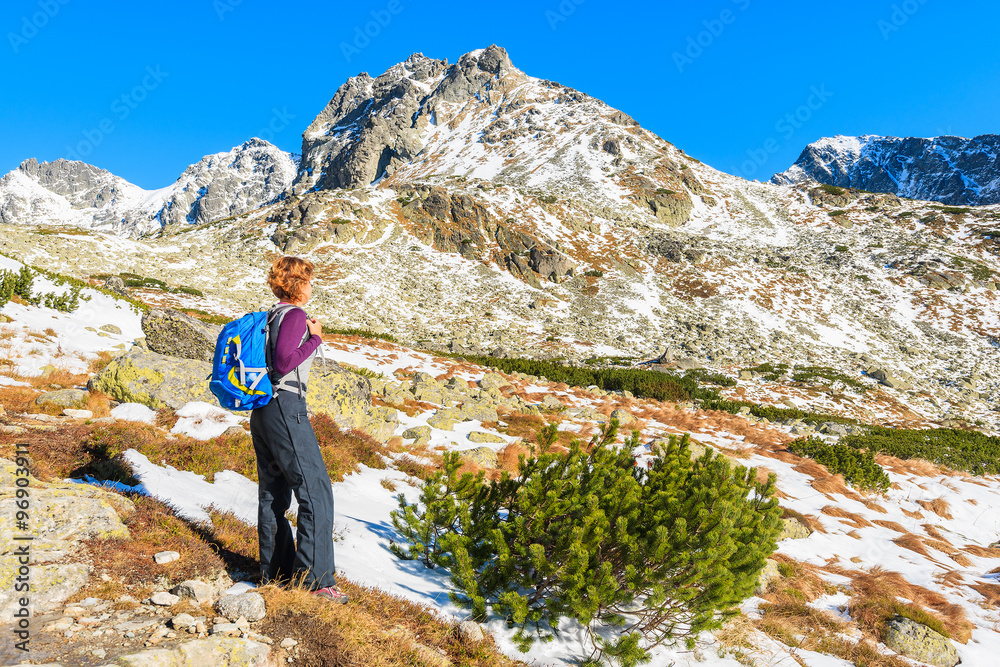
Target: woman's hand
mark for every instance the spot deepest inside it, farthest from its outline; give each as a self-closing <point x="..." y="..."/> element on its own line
<point x="315" y="328"/>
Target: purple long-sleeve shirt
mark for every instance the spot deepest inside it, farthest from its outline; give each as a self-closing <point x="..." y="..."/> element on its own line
<point x="288" y="353"/>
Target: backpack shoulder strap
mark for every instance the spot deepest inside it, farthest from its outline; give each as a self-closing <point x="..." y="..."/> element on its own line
<point x="274" y="318"/>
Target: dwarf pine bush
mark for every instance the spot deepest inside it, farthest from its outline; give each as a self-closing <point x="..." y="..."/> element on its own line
<point x="655" y="553"/>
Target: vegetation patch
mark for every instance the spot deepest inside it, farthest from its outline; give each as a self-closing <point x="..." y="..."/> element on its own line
<point x="772" y="413"/>
<point x="831" y="189"/>
<point x="970" y="451"/>
<point x="641" y="382"/>
<point x="362" y="333"/>
<point x="857" y="466"/>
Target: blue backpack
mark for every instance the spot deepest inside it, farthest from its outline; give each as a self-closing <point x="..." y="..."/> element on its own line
<point x="240" y="378"/>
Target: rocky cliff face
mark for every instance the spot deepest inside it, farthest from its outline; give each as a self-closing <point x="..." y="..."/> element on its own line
<point x="79" y="194"/>
<point x="951" y="170"/>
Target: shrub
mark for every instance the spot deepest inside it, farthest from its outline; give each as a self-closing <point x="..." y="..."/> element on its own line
<point x="363" y="333"/>
<point x="954" y="210"/>
<point x="594" y="273"/>
<point x="811" y="373"/>
<point x="664" y="191"/>
<point x="772" y="413"/>
<point x="642" y="383"/>
<point x="840" y="248"/>
<point x="548" y="199"/>
<point x="970" y="451"/>
<point x="831" y="189"/>
<point x="834" y="214"/>
<point x="858" y="467"/>
<point x="659" y="553"/>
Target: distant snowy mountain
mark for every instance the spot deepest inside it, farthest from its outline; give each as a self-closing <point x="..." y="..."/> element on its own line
<point x="82" y="195"/>
<point x="951" y="170"/>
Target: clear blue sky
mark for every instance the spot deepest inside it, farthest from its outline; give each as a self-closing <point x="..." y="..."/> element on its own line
<point x="202" y="76"/>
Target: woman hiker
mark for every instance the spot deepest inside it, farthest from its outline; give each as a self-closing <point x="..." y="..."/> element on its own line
<point x="288" y="456"/>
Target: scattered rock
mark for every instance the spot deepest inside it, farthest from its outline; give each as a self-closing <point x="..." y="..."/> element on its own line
<point x="78" y="414"/>
<point x="917" y="641"/>
<point x="226" y="630"/>
<point x="766" y="576"/>
<point x="117" y="285"/>
<point x="175" y="334"/>
<point x="164" y="557"/>
<point x="164" y="599"/>
<point x="550" y="402"/>
<point x="288" y="642"/>
<point x="480" y="436"/>
<point x="112" y="329"/>
<point x="484" y="457"/>
<point x="64" y="398"/>
<point x="249" y="605"/>
<point x="493" y="381"/>
<point x="182" y="621"/>
<point x="794" y="529"/>
<point x="471" y="632"/>
<point x="214" y="651"/>
<point x="622" y="416"/>
<point x="419" y="434"/>
<point x="193" y="589"/>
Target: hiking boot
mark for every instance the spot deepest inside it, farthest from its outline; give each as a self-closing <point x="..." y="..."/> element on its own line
<point x="333" y="594"/>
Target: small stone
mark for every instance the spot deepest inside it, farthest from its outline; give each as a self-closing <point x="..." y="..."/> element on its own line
<point x="917" y="641"/>
<point x="77" y="414"/>
<point x="794" y="529"/>
<point x="164" y="599"/>
<point x="288" y="642"/>
<point x="164" y="557"/>
<point x="193" y="589"/>
<point x="550" y="402"/>
<point x="484" y="457"/>
<point x="622" y="416"/>
<point x="200" y="627"/>
<point x="249" y="605"/>
<point x="99" y="653"/>
<point x="226" y="629"/>
<point x="182" y="621"/>
<point x="65" y="398"/>
<point x="111" y="328"/>
<point x="471" y="632"/>
<point x="480" y="436"/>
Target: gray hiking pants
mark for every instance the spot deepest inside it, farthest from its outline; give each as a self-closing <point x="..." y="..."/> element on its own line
<point x="289" y="461"/>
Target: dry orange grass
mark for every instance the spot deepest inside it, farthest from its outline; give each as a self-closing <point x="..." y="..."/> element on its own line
<point x="917" y="467"/>
<point x="939" y="506"/>
<point x="981" y="552"/>
<point x="874" y="596"/>
<point x="990" y="593"/>
<point x="874" y="506"/>
<point x="834" y="484"/>
<point x="913" y="515"/>
<point x="891" y="525"/>
<point x="852" y="519"/>
<point x="374" y="628"/>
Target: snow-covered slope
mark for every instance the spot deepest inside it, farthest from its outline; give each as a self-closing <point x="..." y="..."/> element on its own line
<point x="952" y="170"/>
<point x="78" y="194"/>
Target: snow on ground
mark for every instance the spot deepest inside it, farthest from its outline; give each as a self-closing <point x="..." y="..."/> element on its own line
<point x="204" y="421"/>
<point x="36" y="337"/>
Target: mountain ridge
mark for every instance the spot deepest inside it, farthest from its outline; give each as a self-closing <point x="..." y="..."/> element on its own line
<point x="952" y="170"/>
<point x="70" y="192"/>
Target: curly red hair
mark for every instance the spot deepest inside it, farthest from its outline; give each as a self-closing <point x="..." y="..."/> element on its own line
<point x="288" y="275"/>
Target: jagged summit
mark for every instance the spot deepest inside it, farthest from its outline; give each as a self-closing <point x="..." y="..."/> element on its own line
<point x="478" y="118"/>
<point x="948" y="169"/>
<point x="79" y="194"/>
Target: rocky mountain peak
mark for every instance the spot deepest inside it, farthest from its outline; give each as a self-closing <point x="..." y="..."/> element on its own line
<point x="80" y="194"/>
<point x="949" y="169"/>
